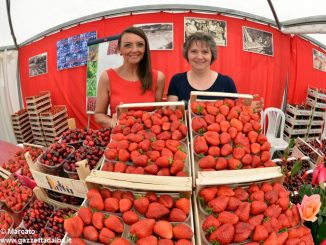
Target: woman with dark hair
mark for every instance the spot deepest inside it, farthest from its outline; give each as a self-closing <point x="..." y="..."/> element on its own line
<point x="133" y="82"/>
<point x="200" y="52"/>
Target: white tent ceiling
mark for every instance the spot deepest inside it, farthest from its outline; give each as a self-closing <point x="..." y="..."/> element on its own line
<point x="32" y="18"/>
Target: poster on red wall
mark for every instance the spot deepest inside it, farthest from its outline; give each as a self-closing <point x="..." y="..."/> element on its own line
<point x="319" y="60"/>
<point x="72" y="51"/>
<point x="38" y="65"/>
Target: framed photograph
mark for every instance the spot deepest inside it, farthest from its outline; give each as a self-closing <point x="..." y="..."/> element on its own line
<point x="72" y="51"/>
<point x="257" y="41"/>
<point x="38" y="65"/>
<point x="217" y="28"/>
<point x="160" y="35"/>
<point x="319" y="60"/>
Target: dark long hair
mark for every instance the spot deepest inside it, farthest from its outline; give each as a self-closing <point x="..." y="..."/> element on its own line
<point x="145" y="66"/>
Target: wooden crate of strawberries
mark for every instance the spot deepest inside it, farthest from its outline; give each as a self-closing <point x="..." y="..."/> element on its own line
<point x="149" y="146"/>
<point x="257" y="212"/>
<point x="120" y="215"/>
<point x="226" y="139"/>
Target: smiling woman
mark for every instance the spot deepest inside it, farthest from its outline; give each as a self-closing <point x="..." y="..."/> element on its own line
<point x="133" y="82"/>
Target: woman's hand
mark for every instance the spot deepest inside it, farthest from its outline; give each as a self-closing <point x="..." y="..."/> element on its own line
<point x="113" y="120"/>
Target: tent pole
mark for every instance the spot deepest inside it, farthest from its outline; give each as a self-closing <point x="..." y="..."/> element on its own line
<point x="274" y="14"/>
<point x="16" y="45"/>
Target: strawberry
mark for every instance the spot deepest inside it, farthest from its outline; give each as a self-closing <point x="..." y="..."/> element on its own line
<point x="218" y="204"/>
<point x="258" y="207"/>
<point x="271" y="197"/>
<point x="180" y="155"/>
<point x="149" y="240"/>
<point x="257" y="196"/>
<point x="212" y="138"/>
<point x="105" y="193"/>
<point x="232" y="131"/>
<point x="243" y="211"/>
<point x="255" y="148"/>
<point x="165" y="242"/>
<point x="284" y="203"/>
<point x="247" y="127"/>
<point x="163" y="229"/>
<point x="265" y="156"/>
<point x="158" y="145"/>
<point x="111" y="204"/>
<point x="199" y="125"/>
<point x="233" y="114"/>
<point x="113" y="223"/>
<point x="225" y="138"/>
<point x="233" y="204"/>
<point x="283" y="221"/>
<point x="214" y="151"/>
<point x="273" y="210"/>
<point x="228" y="217"/>
<point x="183" y="204"/>
<point x="165" y="135"/>
<point x="241" y="194"/>
<point x="224" y="110"/>
<point x="225" y="125"/>
<point x="177" y="215"/>
<point x="212" y="110"/>
<point x="123" y="155"/>
<point x="156" y="210"/>
<point x="200" y="145"/>
<point x="151" y="169"/>
<point x="242" y="231"/>
<point x="296" y="215"/>
<point x="253" y="188"/>
<point x="206" y="162"/>
<point x="197" y="107"/>
<point x="172" y="145"/>
<point x="166" y="200"/>
<point x="271" y="240"/>
<point x="256" y="125"/>
<point x="246" y="159"/>
<point x="151" y="196"/>
<point x="260" y="233"/>
<point x="256" y="220"/>
<point x="153" y="155"/>
<point x="97" y="220"/>
<point x="120" y="167"/>
<point x="108" y="166"/>
<point x="223" y="235"/>
<point x="234" y="164"/>
<point x="183" y="242"/>
<point x="143" y="228"/>
<point x="221" y="163"/>
<point x="214" y="127"/>
<point x="219" y="118"/>
<point x="266" y="187"/>
<point x="209" y="119"/>
<point x="167" y="152"/>
<point x="208" y="193"/>
<point x="141" y="204"/>
<point x="163" y="162"/>
<point x="96" y="202"/>
<point x="86" y="215"/>
<point x="236" y="124"/>
<point x="210" y="224"/>
<point x="74" y="226"/>
<point x="182" y="231"/>
<point x="252" y="135"/>
<point x="266" y="146"/>
<point x="125" y="204"/>
<point x="255" y="161"/>
<point x="130" y="217"/>
<point x="226" y="150"/>
<point x="92" y="192"/>
<point x="141" y="160"/>
<point x="90" y="233"/>
<point x="282" y="237"/>
<point x="164" y="172"/>
<point x="261" y="139"/>
<point x="225" y="191"/>
<point x="77" y="241"/>
<point x="120" y="241"/>
<point x="292" y="241"/>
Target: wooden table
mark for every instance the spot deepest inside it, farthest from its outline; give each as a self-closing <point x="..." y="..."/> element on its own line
<point x="7" y="151"/>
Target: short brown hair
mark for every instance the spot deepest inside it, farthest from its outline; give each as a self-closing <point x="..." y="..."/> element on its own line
<point x="200" y="37"/>
<point x="145" y="66"/>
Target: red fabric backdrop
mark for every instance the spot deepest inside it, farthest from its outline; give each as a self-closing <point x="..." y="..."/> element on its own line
<point x="252" y="73"/>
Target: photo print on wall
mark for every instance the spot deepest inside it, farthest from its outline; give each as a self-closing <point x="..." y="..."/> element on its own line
<point x="257" y="41"/>
<point x="38" y="64"/>
<point x="319" y="60"/>
<point x="217" y="28"/>
<point x="72" y="51"/>
<point x="160" y="35"/>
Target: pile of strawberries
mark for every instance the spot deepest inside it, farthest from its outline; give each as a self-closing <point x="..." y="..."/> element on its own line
<point x="14" y="194"/>
<point x="19" y="162"/>
<point x="6" y="221"/>
<point x="150" y="216"/>
<point x="257" y="213"/>
<point x="227" y="135"/>
<point x="148" y="143"/>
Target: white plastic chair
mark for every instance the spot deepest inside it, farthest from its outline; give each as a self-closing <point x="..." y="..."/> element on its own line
<point x="274" y="122"/>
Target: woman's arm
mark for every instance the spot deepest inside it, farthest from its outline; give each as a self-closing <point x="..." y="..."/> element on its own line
<point x="103" y="101"/>
<point x="160" y="86"/>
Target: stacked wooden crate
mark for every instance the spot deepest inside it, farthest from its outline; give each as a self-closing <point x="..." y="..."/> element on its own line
<point x="21" y="126"/>
<point x="54" y="121"/>
<point x="316" y="98"/>
<point x="35" y="105"/>
<point x="297" y="119"/>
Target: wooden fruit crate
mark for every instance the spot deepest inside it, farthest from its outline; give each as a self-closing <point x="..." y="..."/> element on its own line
<point x="296" y="119"/>
<point x="60" y="184"/>
<point x="293" y="129"/>
<point x="32" y="100"/>
<point x="34" y="112"/>
<point x="55" y="131"/>
<point x="165" y="182"/>
<point x="314" y="92"/>
<point x="20" y="124"/>
<point x="315" y="103"/>
<point x="48" y="118"/>
<point x="19" y="115"/>
<point x="315" y="157"/>
<point x="294" y="109"/>
<point x="200" y="215"/>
